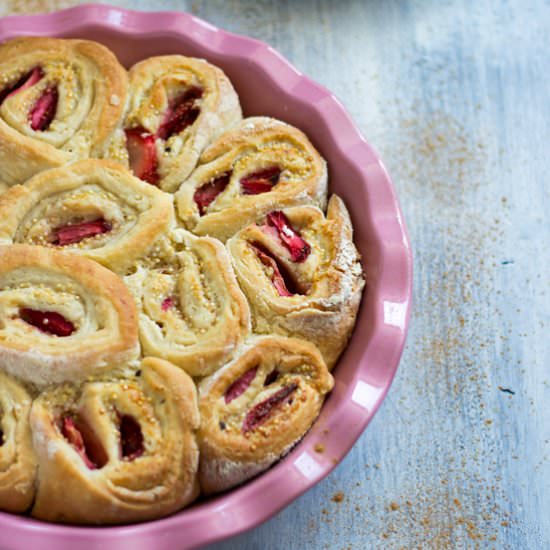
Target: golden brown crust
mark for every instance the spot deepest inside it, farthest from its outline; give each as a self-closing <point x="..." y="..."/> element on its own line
<point x="115" y="438"/>
<point x="256" y="144"/>
<point x="328" y="284"/>
<point x="92" y="88"/>
<point x="234" y="443"/>
<point x="86" y="294"/>
<point x="136" y="213"/>
<point x="17" y="457"/>
<point x="191" y="309"/>
<point x="157" y="477"/>
<point x="157" y="81"/>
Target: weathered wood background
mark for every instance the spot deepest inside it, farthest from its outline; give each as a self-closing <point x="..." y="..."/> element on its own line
<point x="455" y="95"/>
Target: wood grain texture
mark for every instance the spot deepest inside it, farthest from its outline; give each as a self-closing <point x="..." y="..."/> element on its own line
<point x="455" y="96"/>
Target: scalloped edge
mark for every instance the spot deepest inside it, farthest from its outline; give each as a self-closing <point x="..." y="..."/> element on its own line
<point x="260" y="499"/>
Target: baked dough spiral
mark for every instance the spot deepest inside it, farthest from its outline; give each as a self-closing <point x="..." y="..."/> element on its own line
<point x="177" y="106"/>
<point x="302" y="275"/>
<point x="62" y="317"/>
<point x="191" y="309"/>
<point x="260" y="165"/>
<point x="95" y="208"/>
<point x="17" y="457"/>
<point x="60" y="100"/>
<point x="256" y="408"/>
<point x="117" y="450"/>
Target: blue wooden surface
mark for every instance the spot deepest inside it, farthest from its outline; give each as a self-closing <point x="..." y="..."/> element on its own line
<point x="456" y="97"/>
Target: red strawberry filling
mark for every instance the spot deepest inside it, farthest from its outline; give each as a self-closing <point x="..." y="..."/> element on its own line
<point x="271" y="377"/>
<point x="85" y="442"/>
<point x="240" y="385"/>
<point x="47" y="321"/>
<point x="44" y="110"/>
<point x="26" y="81"/>
<point x="167" y="303"/>
<point x="207" y="193"/>
<point x="141" y="144"/>
<point x="181" y="113"/>
<point x="261" y="181"/>
<point x="262" y="411"/>
<point x="281" y="279"/>
<point x="299" y="249"/>
<point x="70" y="234"/>
<point x="131" y="437"/>
<point x="142" y="154"/>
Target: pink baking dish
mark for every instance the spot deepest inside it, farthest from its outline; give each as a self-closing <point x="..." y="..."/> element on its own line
<point x="267" y="85"/>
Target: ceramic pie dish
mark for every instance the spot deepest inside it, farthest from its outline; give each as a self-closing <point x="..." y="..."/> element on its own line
<point x="364" y="372"/>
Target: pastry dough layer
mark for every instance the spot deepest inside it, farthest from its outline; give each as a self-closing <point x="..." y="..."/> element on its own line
<point x="136" y="213"/>
<point x="17" y="457"/>
<point x="255" y="145"/>
<point x="328" y="283"/>
<point x="88" y="297"/>
<point x="236" y="441"/>
<point x="90" y="86"/>
<point x="191" y="309"/>
<point x="158" y="477"/>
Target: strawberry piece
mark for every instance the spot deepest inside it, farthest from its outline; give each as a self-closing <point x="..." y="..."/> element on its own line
<point x="207" y="192"/>
<point x="280" y="278"/>
<point x="143" y="154"/>
<point x="26" y="81"/>
<point x="167" y="303"/>
<point x="261" y="412"/>
<point x="131" y="437"/>
<point x="47" y="321"/>
<point x="299" y="249"/>
<point x="240" y="385"/>
<point x="70" y="234"/>
<point x="261" y="181"/>
<point x="271" y="377"/>
<point x="72" y="434"/>
<point x="181" y="113"/>
<point x="44" y="110"/>
<point x="85" y="443"/>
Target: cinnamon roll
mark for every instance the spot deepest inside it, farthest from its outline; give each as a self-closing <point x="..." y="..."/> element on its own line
<point x="62" y="317"/>
<point x="60" y="100"/>
<point x="17" y="457"/>
<point x="177" y="106"/>
<point x="257" y="407"/>
<point x="95" y="208"/>
<point x="191" y="309"/>
<point x="117" y="450"/>
<point x="302" y="275"/>
<point x="260" y="165"/>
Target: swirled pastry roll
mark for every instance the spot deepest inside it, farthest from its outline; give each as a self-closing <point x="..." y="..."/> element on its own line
<point x="302" y="275"/>
<point x="60" y="100"/>
<point x="117" y="450"/>
<point x="260" y="165"/>
<point x="95" y="208"/>
<point x="191" y="309"/>
<point x="17" y="457"/>
<point x="256" y="408"/>
<point x="62" y="317"/>
<point x="177" y="106"/>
